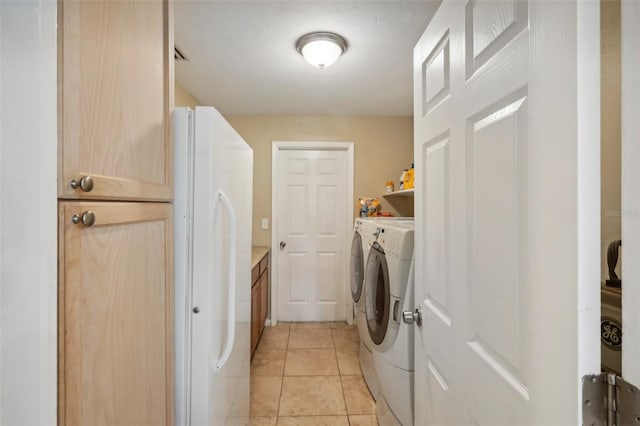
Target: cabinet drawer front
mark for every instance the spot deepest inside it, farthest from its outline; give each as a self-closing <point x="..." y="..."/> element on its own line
<point x="264" y="263"/>
<point x="115" y="98"/>
<point x="115" y="314"/>
<point x="255" y="274"/>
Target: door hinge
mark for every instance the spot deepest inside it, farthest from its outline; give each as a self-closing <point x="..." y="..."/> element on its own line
<point x="609" y="400"/>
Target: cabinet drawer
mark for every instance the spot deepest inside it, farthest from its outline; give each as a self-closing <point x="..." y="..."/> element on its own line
<point x="255" y="274"/>
<point x="264" y="263"/>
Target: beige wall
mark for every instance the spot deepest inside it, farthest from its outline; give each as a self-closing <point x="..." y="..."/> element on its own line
<point x="184" y="98"/>
<point x="383" y="146"/>
<point x="610" y="125"/>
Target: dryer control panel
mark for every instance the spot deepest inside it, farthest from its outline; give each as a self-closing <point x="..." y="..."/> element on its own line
<point x="397" y="241"/>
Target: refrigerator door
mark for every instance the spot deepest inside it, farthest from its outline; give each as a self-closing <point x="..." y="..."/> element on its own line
<point x="183" y="245"/>
<point x="216" y="382"/>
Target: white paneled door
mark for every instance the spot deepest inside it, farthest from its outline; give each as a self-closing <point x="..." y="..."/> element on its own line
<point x="310" y="213"/>
<point x="507" y="212"/>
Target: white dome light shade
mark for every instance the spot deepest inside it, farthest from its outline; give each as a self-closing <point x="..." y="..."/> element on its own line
<point x="321" y="49"/>
<point x="321" y="53"/>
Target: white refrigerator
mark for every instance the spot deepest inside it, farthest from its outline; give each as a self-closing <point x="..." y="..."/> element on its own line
<point x="213" y="199"/>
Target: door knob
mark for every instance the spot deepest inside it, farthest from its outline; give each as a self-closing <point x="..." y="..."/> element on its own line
<point x="87" y="218"/>
<point x="282" y="245"/>
<point x="85" y="183"/>
<point x="410" y="317"/>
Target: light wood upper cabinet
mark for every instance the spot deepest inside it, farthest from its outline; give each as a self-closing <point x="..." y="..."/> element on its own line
<point x="115" y="95"/>
<point x="115" y="307"/>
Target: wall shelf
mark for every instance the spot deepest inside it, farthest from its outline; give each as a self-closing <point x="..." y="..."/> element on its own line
<point x="401" y="202"/>
<point x="402" y="193"/>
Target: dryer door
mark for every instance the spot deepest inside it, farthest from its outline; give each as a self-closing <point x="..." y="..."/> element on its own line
<point x="377" y="295"/>
<point x="357" y="267"/>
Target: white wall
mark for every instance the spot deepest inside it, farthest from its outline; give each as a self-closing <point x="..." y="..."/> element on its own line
<point x="28" y="212"/>
<point x="383" y="147"/>
<point x="610" y="129"/>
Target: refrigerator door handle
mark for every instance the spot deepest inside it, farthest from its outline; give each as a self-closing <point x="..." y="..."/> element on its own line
<point x="231" y="318"/>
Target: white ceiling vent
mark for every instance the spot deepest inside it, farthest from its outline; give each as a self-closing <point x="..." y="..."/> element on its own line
<point x="179" y="55"/>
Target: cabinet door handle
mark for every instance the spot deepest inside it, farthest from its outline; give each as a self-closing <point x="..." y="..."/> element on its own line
<point x="85" y="183"/>
<point x="87" y="218"/>
<point x="282" y="245"/>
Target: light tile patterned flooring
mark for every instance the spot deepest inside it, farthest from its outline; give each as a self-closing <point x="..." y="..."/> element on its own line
<point x="308" y="374"/>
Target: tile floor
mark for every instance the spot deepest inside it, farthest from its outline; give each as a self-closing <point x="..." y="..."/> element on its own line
<point x="308" y="374"/>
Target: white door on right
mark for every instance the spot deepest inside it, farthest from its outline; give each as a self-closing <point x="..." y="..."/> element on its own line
<point x="507" y="212"/>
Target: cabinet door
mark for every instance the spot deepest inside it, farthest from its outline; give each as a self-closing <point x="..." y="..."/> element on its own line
<point x="115" y="95"/>
<point x="115" y="314"/>
<point x="264" y="297"/>
<point x="255" y="316"/>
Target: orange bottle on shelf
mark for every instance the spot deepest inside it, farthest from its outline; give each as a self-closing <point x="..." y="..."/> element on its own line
<point x="408" y="181"/>
<point x="389" y="187"/>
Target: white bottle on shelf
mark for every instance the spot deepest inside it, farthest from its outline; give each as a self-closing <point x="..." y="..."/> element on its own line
<point x="404" y="172"/>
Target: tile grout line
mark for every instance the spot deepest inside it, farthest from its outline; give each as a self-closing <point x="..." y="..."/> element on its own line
<point x="343" y="395"/>
<point x="286" y="355"/>
<point x="344" y="399"/>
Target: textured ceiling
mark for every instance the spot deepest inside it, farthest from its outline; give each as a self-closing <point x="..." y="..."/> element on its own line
<point x="242" y="56"/>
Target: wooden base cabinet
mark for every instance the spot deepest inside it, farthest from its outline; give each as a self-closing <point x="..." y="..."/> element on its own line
<point x="259" y="299"/>
<point x="115" y="313"/>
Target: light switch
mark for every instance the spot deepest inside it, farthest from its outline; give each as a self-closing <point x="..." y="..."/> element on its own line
<point x="264" y="223"/>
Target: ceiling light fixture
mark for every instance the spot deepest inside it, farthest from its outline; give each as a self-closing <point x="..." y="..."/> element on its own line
<point x="321" y="49"/>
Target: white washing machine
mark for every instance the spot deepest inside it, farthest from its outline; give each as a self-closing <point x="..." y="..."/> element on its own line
<point x="363" y="236"/>
<point x="389" y="284"/>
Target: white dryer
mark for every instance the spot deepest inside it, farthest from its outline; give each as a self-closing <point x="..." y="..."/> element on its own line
<point x="388" y="292"/>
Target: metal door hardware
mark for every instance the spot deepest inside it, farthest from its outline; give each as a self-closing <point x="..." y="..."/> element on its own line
<point x="609" y="400"/>
<point x="196" y="310"/>
<point x="282" y="245"/>
<point x="85" y="183"/>
<point x="410" y="317"/>
<point x="87" y="218"/>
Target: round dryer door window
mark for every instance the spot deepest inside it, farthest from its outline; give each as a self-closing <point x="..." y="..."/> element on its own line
<point x="377" y="294"/>
<point x="357" y="267"/>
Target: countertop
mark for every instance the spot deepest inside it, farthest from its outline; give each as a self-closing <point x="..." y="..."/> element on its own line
<point x="257" y="253"/>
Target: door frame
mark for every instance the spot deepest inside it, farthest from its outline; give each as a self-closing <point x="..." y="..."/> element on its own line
<point x="276" y="148"/>
<point x="630" y="179"/>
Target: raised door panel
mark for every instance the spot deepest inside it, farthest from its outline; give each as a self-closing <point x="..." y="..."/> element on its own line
<point x="115" y="314"/>
<point x="115" y="97"/>
<point x="498" y="206"/>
